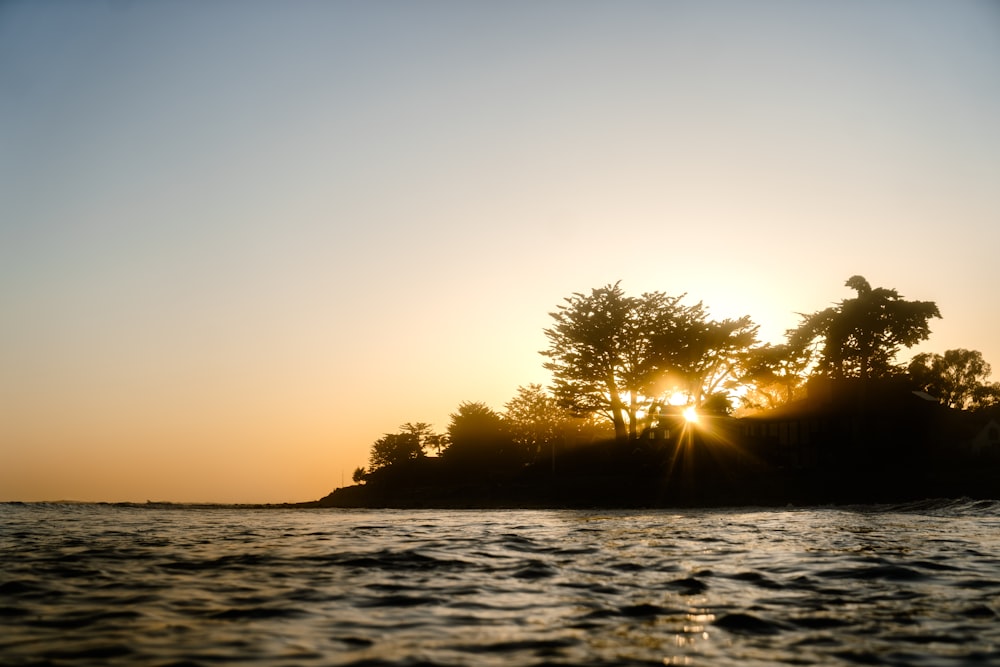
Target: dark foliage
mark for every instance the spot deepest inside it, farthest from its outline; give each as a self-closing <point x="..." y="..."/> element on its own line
<point x="478" y="437"/>
<point x="860" y="337"/>
<point x="958" y="378"/>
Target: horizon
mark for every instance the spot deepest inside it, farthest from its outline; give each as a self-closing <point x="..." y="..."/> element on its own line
<point x="243" y="241"/>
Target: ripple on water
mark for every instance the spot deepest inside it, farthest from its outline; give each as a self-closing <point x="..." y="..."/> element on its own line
<point x="156" y="586"/>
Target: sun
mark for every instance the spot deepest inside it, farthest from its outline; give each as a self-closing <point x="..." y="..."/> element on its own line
<point x="690" y="414"/>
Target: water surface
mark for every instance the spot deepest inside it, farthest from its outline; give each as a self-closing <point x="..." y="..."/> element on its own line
<point x="147" y="585"/>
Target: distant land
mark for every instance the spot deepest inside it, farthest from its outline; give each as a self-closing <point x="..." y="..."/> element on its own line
<point x="849" y="442"/>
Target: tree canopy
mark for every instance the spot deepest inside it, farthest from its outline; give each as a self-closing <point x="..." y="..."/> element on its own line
<point x="410" y="443"/>
<point x="774" y="375"/>
<point x="710" y="355"/>
<point x="539" y="425"/>
<point x="535" y="419"/>
<point x="478" y="434"/>
<point x="613" y="353"/>
<point x="393" y="448"/>
<point x="958" y="378"/>
<point x="860" y="337"/>
<point x="619" y="356"/>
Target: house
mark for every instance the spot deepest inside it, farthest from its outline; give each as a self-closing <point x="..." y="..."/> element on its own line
<point x="665" y="424"/>
<point x="846" y="422"/>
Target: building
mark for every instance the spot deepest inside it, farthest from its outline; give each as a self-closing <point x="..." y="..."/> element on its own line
<point x="847" y="422"/>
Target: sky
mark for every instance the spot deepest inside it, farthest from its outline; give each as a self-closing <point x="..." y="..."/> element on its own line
<point x="240" y="241"/>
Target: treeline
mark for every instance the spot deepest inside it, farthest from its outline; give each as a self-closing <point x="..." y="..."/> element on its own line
<point x="617" y="361"/>
<point x="530" y="428"/>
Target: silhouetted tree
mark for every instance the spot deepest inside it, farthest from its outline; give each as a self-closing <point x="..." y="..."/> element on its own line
<point x="535" y="419"/>
<point x="614" y="354"/>
<point x="597" y="353"/>
<point x="710" y="355"/>
<point x="958" y="378"/>
<point x="477" y="435"/>
<point x="774" y="375"/>
<point x="860" y="337"/>
<point x="718" y="403"/>
<point x="359" y="475"/>
<point x="539" y="425"/>
<point x="410" y="443"/>
<point x="393" y="448"/>
<point x="436" y="441"/>
<point x="424" y="434"/>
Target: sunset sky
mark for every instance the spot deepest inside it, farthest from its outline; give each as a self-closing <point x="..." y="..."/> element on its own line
<point x="241" y="240"/>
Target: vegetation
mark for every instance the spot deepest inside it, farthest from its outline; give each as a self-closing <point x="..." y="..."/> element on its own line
<point x="540" y="425"/>
<point x="958" y="378"/>
<point x="393" y="448"/>
<point x="775" y="375"/>
<point x="621" y="365"/>
<point x="861" y="337"/>
<point x="616" y="354"/>
<point x="410" y="443"/>
<point x="478" y="435"/>
<point x="537" y="421"/>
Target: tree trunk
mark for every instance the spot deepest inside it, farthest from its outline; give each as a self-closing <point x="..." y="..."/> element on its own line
<point x="632" y="409"/>
<point x="617" y="408"/>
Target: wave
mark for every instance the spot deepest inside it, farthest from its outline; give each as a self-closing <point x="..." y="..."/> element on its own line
<point x="957" y="507"/>
<point x="123" y="586"/>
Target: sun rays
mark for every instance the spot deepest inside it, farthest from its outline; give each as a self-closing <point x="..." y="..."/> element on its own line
<point x="690" y="415"/>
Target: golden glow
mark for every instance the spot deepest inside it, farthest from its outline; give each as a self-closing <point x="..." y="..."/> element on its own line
<point x="690" y="415"/>
<point x="677" y="398"/>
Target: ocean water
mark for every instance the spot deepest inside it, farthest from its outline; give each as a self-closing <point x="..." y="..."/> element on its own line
<point x="148" y="585"/>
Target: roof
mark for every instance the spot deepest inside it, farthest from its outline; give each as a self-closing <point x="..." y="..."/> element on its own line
<point x="825" y="397"/>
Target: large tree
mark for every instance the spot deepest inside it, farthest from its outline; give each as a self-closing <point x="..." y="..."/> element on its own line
<point x="612" y="353"/>
<point x="600" y="351"/>
<point x="710" y="355"/>
<point x="861" y="337"/>
<point x="958" y="378"/>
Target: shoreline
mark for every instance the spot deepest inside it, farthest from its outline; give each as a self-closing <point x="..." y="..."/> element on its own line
<point x="772" y="489"/>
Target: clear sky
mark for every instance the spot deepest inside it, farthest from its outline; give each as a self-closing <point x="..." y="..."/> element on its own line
<point x="241" y="240"/>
